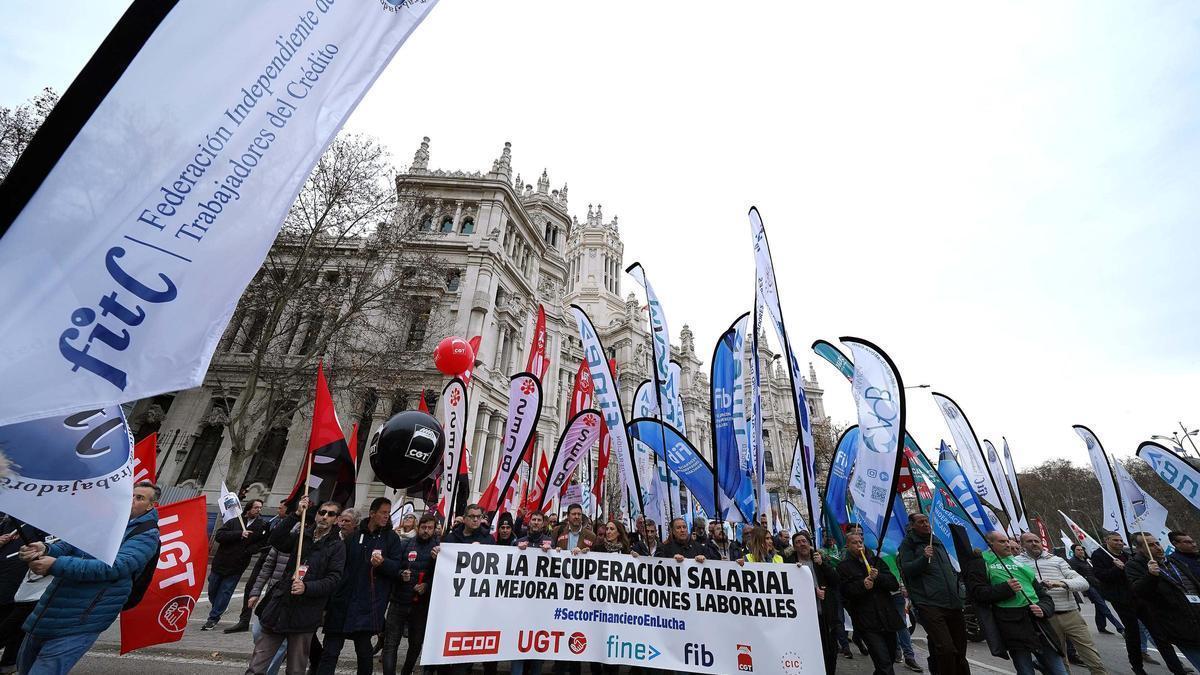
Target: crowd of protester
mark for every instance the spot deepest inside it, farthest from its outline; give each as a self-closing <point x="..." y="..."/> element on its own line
<point x="360" y="580"/>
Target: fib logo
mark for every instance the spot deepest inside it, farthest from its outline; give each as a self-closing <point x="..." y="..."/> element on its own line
<point x="697" y="654"/>
<point x="745" y="661"/>
<point x="578" y="643"/>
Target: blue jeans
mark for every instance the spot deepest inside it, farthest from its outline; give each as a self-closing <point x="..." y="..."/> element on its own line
<point x="220" y="590"/>
<point x="1051" y="662"/>
<point x="53" y="656"/>
<point x="903" y="636"/>
<point x="1191" y="654"/>
<point x="1103" y="613"/>
<point x="277" y="660"/>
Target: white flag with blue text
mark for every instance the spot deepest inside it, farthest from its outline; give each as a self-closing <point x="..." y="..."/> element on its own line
<point x="140" y="215"/>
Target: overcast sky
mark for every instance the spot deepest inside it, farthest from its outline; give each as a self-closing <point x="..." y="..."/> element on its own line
<point x="1004" y="198"/>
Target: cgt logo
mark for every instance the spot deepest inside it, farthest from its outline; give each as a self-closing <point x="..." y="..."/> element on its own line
<point x="745" y="661"/>
<point x="471" y="643"/>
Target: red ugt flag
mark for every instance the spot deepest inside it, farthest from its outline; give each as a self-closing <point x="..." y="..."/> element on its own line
<point x="163" y="613"/>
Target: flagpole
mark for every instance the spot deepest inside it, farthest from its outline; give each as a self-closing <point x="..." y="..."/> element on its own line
<point x="303" y="515"/>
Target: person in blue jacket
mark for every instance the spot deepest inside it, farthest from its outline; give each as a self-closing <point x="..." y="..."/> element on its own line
<point x="86" y="595"/>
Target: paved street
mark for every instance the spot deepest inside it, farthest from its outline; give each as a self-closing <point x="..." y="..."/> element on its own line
<point x="212" y="652"/>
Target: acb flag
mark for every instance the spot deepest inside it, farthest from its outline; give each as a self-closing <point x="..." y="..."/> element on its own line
<point x="179" y="575"/>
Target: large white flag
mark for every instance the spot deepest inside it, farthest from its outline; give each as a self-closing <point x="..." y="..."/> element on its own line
<point x="452" y="415"/>
<point x="1142" y="512"/>
<point x="1022" y="519"/>
<point x="768" y="294"/>
<point x="970" y="455"/>
<point x="996" y="468"/>
<point x="1173" y="469"/>
<point x="524" y="411"/>
<point x="608" y="400"/>
<point x="72" y="477"/>
<point x="1113" y="522"/>
<point x="143" y="210"/>
<point x="879" y="397"/>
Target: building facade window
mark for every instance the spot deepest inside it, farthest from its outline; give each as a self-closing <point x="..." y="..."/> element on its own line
<point x="420" y="323"/>
<point x="447" y="224"/>
<point x="427" y="223"/>
<point x="452" y="280"/>
<point x="468" y="226"/>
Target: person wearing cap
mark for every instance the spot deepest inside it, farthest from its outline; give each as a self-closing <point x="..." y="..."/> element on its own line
<point x="505" y="534"/>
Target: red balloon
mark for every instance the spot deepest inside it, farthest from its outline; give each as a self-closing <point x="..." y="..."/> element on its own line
<point x="454" y="356"/>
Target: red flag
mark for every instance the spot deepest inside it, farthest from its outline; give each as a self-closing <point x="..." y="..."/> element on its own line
<point x="538" y="364"/>
<point x="538" y="484"/>
<point x="163" y="613"/>
<point x="487" y="500"/>
<point x="904" y="482"/>
<point x="1042" y="533"/>
<point x="466" y="375"/>
<point x="421" y="406"/>
<point x="352" y="444"/>
<point x="145" y="458"/>
<point x="582" y="391"/>
<point x="333" y="465"/>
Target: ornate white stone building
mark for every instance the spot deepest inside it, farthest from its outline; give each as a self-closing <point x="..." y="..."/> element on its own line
<point x="510" y="246"/>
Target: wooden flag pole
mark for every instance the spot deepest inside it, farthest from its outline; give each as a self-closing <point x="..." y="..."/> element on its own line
<point x="241" y="522"/>
<point x="303" y="515"/>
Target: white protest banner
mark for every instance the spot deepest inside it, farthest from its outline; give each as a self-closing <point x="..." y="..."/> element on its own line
<point x="498" y="603"/>
<point x="148" y="200"/>
<point x="1113" y="518"/>
<point x="970" y="455"/>
<point x="1173" y="469"/>
<point x="231" y="506"/>
<point x="879" y="397"/>
<point x="72" y="477"/>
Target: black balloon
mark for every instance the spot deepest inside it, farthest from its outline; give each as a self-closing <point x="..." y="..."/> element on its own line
<point x="406" y="449"/>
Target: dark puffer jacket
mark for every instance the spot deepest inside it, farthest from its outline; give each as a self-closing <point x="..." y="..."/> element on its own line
<point x="416" y="557"/>
<point x="1114" y="586"/>
<point x="535" y="539"/>
<point x="1162" y="599"/>
<point x="360" y="602"/>
<point x="688" y="549"/>
<point x="930" y="581"/>
<point x="869" y="608"/>
<point x="282" y="612"/>
<point x="87" y="594"/>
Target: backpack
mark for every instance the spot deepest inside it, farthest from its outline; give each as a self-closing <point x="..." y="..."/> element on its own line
<point x="142" y="580"/>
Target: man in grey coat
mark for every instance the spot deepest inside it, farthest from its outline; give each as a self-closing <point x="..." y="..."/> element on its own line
<point x="1062" y="583"/>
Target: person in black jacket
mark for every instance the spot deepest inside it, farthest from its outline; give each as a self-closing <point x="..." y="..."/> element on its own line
<point x="291" y="609"/>
<point x="243" y="622"/>
<point x="12" y="572"/>
<point x="536" y="535"/>
<point x="721" y="547"/>
<point x="932" y="587"/>
<point x="356" y="610"/>
<point x="866" y="585"/>
<point x="825" y="579"/>
<point x="237" y="546"/>
<point x="650" y="541"/>
<point x="505" y="534"/>
<point x="1109" y="563"/>
<point x="409" y="608"/>
<point x="1083" y="567"/>
<point x="1168" y="595"/>
<point x="681" y="545"/>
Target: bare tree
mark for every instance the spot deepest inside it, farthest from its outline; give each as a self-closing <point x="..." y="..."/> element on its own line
<point x="18" y="125"/>
<point x="349" y="282"/>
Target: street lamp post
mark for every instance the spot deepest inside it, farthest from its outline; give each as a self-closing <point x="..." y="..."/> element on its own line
<point x="1188" y="435"/>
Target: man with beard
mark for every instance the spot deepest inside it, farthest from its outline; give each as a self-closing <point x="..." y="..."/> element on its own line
<point x="356" y="611"/>
<point x="721" y="548"/>
<point x="409" y="608"/>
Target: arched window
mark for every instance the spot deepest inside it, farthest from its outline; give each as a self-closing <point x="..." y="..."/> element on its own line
<point x="447" y="224"/>
<point x="546" y="237"/>
<point x="427" y="223"/>
<point x="554" y="237"/>
<point x="468" y="226"/>
<point x="768" y="461"/>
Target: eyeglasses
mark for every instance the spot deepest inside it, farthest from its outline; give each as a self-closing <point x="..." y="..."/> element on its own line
<point x="326" y="513"/>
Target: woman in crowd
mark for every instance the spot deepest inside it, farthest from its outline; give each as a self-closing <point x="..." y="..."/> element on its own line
<point x="759" y="548"/>
<point x="615" y="539"/>
<point x="408" y="527"/>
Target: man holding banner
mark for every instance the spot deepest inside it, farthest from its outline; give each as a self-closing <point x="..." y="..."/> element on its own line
<point x="87" y="594"/>
<point x="932" y="587"/>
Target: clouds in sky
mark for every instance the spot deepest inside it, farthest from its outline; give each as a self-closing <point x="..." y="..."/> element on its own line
<point x="1002" y="197"/>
